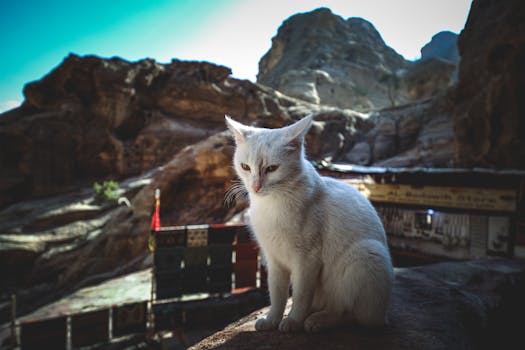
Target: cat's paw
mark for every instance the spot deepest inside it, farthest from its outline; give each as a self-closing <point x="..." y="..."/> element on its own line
<point x="288" y="325"/>
<point x="313" y="324"/>
<point x="266" y="324"/>
<point x="319" y="321"/>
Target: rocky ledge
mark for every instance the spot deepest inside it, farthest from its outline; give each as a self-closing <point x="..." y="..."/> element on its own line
<point x="475" y="304"/>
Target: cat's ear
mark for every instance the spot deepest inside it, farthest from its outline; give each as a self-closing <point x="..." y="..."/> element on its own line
<point x="296" y="132"/>
<point x="240" y="132"/>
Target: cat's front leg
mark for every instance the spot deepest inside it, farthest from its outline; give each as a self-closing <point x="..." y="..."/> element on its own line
<point x="278" y="284"/>
<point x="304" y="278"/>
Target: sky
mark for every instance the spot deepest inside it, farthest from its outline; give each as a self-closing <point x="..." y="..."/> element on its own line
<point x="35" y="36"/>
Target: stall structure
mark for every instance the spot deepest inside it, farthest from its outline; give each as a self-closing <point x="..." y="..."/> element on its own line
<point x="444" y="213"/>
<point x="203" y="275"/>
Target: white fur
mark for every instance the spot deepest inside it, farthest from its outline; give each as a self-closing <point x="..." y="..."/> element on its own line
<point x="317" y="233"/>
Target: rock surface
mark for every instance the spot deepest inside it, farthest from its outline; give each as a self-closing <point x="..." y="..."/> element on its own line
<point x="461" y="305"/>
<point x="425" y="79"/>
<point x="490" y="100"/>
<point x="321" y="58"/>
<point x="478" y="122"/>
<point x="419" y="133"/>
<point x="442" y="45"/>
<point x="94" y="118"/>
<point x="41" y="239"/>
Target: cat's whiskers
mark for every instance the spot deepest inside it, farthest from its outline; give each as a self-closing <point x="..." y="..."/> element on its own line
<point x="235" y="192"/>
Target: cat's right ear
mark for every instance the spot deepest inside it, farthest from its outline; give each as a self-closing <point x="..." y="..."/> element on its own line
<point x="296" y="132"/>
<point x="238" y="130"/>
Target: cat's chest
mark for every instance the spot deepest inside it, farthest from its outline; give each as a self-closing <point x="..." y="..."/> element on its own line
<point x="273" y="215"/>
<point x="275" y="227"/>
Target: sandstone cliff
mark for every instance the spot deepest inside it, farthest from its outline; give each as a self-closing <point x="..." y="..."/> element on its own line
<point x="321" y="58"/>
<point x="489" y="108"/>
<point x="94" y="118"/>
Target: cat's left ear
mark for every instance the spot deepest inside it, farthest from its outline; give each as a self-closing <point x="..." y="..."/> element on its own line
<point x="240" y="131"/>
<point x="296" y="132"/>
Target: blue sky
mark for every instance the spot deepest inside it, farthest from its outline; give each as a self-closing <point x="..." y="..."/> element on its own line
<point x="37" y="35"/>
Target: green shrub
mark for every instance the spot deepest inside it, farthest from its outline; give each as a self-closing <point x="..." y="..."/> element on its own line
<point x="107" y="191"/>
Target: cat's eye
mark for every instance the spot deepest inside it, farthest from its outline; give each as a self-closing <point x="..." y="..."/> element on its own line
<point x="245" y="167"/>
<point x="271" y="168"/>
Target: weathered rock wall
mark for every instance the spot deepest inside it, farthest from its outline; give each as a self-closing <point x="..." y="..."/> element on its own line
<point x="490" y="102"/>
<point x="321" y="58"/>
<point x="420" y="133"/>
<point x="93" y="118"/>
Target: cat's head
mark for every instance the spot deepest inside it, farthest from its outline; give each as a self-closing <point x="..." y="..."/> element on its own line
<point x="268" y="159"/>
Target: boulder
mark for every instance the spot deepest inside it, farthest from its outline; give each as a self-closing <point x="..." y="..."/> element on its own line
<point x="457" y="305"/>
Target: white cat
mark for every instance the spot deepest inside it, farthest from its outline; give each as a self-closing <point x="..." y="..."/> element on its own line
<point x="316" y="232"/>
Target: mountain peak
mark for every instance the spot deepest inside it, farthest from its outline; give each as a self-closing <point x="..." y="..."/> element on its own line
<point x="316" y="49"/>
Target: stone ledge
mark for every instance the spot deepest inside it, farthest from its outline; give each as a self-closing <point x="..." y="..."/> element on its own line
<point x="455" y="305"/>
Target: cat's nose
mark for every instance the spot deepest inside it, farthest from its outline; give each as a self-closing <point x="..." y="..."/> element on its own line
<point x="256" y="187"/>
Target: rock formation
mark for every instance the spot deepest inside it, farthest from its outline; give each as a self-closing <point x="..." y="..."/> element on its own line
<point x="425" y="78"/>
<point x="434" y="72"/>
<point x="490" y="101"/>
<point x="420" y="133"/>
<point x="476" y="123"/>
<point x="93" y="118"/>
<point x="321" y="58"/>
<point x="442" y="45"/>
<point x="458" y="305"/>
